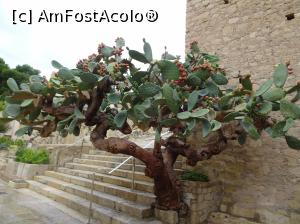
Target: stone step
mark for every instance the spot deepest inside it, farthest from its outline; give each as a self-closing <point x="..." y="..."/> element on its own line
<point x="101" y="152"/>
<point x="123" y="192"/>
<point x="103" y="214"/>
<point x="120" y="159"/>
<point x="117" y="203"/>
<point x="101" y="169"/>
<point x="120" y="181"/>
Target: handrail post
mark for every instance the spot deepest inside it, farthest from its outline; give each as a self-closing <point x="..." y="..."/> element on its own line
<point x="91" y="199"/>
<point x="133" y="174"/>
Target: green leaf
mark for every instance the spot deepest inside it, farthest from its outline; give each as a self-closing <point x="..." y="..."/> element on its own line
<point x="191" y="124"/>
<point x="148" y="89"/>
<point x="78" y="114"/>
<point x="147" y="50"/>
<point x="170" y="101"/>
<point x="92" y="65"/>
<point x="292" y="142"/>
<point x="169" y="122"/>
<point x="215" y="125"/>
<point x="219" y="79"/>
<point x="193" y="80"/>
<point x="24" y="130"/>
<point x="36" y="78"/>
<point x="139" y="111"/>
<point x="114" y="98"/>
<point x="199" y="113"/>
<point x="274" y="94"/>
<point x="65" y="74"/>
<point x="280" y="75"/>
<point x="107" y="51"/>
<point x="203" y="74"/>
<point x="56" y="64"/>
<point x="206" y="127"/>
<point x="168" y="70"/>
<point x="12" y="84"/>
<point x="111" y="68"/>
<point x="184" y="115"/>
<point x="37" y="87"/>
<point x="89" y="78"/>
<point x="213" y="89"/>
<point x="168" y="56"/>
<point x="138" y="56"/>
<point x="72" y="125"/>
<point x="25" y="87"/>
<point x="120" y="118"/>
<point x="26" y="103"/>
<point x="12" y="110"/>
<point x="246" y="83"/>
<point x="278" y="129"/>
<point x="288" y="124"/>
<point x="193" y="99"/>
<point x="264" y="87"/>
<point x="265" y="108"/>
<point x="250" y="128"/>
<point x="224" y="101"/>
<point x="289" y="110"/>
<point x="34" y="114"/>
<point x="138" y="76"/>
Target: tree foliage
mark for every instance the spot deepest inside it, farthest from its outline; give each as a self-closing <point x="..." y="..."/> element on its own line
<point x="168" y="94"/>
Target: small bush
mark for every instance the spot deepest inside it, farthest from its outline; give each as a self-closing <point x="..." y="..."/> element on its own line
<point x="194" y="176"/>
<point x="6" y="142"/>
<point x="32" y="156"/>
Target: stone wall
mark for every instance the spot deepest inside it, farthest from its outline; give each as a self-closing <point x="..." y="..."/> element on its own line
<point x="203" y="198"/>
<point x="261" y="180"/>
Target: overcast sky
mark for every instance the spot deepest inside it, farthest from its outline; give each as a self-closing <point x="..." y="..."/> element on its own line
<point x="39" y="43"/>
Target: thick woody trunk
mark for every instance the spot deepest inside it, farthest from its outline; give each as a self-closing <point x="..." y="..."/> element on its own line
<point x="167" y="187"/>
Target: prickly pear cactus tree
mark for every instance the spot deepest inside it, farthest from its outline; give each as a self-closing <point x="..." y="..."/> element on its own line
<point x="107" y="91"/>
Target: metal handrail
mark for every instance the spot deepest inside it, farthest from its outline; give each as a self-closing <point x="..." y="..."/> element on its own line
<point x="68" y="146"/>
<point x="133" y="162"/>
<point x="130" y="157"/>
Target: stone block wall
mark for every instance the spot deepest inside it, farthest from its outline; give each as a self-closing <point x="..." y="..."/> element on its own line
<point x="202" y="198"/>
<point x="261" y="181"/>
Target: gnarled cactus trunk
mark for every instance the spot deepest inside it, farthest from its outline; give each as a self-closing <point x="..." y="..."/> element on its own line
<point x="167" y="187"/>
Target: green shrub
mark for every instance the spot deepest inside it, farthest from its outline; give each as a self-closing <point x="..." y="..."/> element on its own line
<point x="6" y="142"/>
<point x="32" y="156"/>
<point x="2" y="105"/>
<point x="194" y="176"/>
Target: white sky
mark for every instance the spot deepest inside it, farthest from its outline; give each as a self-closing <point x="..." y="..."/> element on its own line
<point x="39" y="43"/>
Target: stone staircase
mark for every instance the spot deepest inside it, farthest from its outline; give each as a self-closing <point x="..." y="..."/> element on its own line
<point x="113" y="199"/>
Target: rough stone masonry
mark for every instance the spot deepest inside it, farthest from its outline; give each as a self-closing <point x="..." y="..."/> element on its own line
<point x="261" y="181"/>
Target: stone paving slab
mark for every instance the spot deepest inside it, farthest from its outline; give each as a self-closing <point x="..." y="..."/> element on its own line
<point x="24" y="206"/>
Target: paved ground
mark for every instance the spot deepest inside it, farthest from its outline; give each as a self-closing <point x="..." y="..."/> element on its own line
<point x="27" y="207"/>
